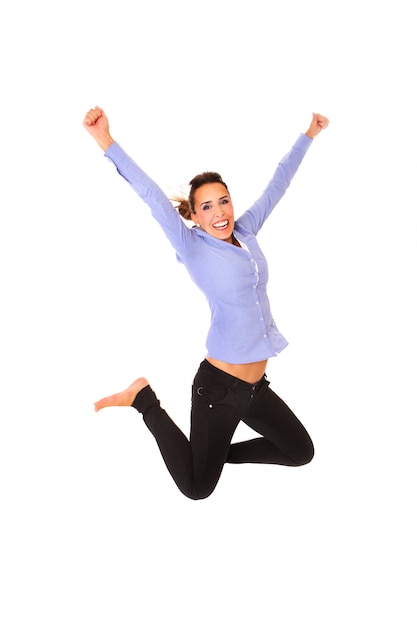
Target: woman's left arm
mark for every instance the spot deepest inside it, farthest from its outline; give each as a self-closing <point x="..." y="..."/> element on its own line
<point x="254" y="217"/>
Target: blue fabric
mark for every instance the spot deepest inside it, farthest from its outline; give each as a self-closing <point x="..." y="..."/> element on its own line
<point x="234" y="280"/>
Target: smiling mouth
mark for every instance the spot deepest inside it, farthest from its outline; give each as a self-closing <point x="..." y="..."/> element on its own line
<point x="221" y="225"/>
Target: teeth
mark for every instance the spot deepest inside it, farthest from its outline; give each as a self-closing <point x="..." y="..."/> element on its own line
<point x="221" y="224"/>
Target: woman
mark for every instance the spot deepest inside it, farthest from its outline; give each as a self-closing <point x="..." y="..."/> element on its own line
<point x="223" y="258"/>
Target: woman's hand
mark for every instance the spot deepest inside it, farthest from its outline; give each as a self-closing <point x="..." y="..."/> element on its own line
<point x="318" y="123"/>
<point x="97" y="124"/>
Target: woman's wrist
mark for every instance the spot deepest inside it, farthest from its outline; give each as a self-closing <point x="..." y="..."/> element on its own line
<point x="105" y="141"/>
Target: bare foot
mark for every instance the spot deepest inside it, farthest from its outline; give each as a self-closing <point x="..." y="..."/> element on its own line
<point x="124" y="398"/>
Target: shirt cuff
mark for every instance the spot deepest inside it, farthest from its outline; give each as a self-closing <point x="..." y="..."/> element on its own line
<point x="114" y="152"/>
<point x="303" y="142"/>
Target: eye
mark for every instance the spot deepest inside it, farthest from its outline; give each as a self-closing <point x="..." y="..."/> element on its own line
<point x="225" y="201"/>
<point x="205" y="207"/>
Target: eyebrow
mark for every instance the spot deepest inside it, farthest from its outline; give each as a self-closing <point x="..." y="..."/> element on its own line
<point x="209" y="201"/>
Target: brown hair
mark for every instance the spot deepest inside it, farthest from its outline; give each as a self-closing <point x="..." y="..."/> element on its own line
<point x="186" y="205"/>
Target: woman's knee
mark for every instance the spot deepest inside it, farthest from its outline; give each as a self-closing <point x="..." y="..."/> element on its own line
<point x="306" y="454"/>
<point x="200" y="490"/>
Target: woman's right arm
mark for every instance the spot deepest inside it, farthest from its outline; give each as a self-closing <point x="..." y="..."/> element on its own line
<point x="97" y="125"/>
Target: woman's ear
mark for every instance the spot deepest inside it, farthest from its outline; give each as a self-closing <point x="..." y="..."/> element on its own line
<point x="195" y="220"/>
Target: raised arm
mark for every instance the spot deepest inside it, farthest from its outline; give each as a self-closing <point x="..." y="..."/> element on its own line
<point x="162" y="209"/>
<point x="254" y="218"/>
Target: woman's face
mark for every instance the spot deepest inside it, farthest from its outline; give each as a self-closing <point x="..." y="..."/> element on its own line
<point x="214" y="211"/>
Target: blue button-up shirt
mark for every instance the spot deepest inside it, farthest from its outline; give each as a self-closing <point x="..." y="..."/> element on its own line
<point x="234" y="280"/>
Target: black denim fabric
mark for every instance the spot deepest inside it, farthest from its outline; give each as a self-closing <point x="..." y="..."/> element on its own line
<point x="219" y="402"/>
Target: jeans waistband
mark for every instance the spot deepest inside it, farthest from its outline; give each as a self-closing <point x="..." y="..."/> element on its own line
<point x="228" y="379"/>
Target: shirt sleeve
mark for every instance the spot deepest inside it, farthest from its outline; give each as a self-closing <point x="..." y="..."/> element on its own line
<point x="161" y="207"/>
<point x="256" y="215"/>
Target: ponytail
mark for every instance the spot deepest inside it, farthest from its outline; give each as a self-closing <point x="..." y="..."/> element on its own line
<point x="183" y="207"/>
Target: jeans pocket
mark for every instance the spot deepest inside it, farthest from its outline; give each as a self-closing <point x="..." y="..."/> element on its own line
<point x="210" y="394"/>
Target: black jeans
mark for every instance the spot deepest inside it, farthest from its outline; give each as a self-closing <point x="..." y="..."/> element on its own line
<point x="219" y="402"/>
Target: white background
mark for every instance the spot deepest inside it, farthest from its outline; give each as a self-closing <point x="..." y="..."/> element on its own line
<point x="93" y="529"/>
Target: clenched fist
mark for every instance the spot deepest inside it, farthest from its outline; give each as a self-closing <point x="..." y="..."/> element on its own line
<point x="318" y="123"/>
<point x="97" y="124"/>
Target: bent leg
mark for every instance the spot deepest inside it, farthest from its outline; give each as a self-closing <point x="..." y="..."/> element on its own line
<point x="195" y="464"/>
<point x="173" y="444"/>
<point x="284" y="439"/>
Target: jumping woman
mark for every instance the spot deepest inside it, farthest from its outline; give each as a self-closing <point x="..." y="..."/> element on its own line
<point x="224" y="259"/>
